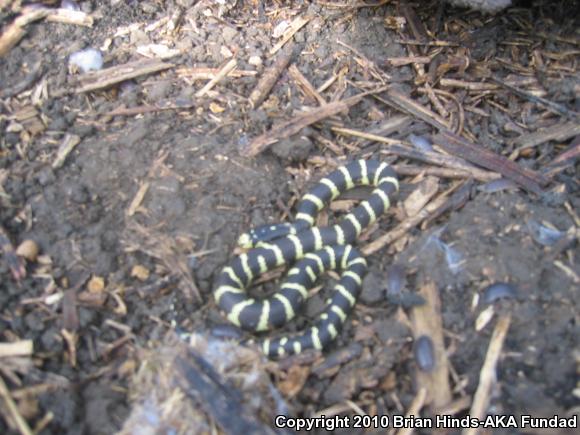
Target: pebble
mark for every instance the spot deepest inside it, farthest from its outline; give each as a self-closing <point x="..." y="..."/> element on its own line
<point x="28" y="249"/>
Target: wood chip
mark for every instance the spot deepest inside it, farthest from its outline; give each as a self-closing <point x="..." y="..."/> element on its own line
<point x="426" y="321"/>
<point x="421" y="195"/>
<point x="560" y="132"/>
<point x="488" y="374"/>
<point x="68" y="144"/>
<point x="107" y="77"/>
<point x="270" y="76"/>
<point x="223" y="72"/>
<point x="17" y="348"/>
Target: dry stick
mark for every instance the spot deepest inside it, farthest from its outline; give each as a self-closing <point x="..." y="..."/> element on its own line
<point x="138" y="110"/>
<point x="366" y="62"/>
<point x="460" y="195"/>
<point x="470" y="86"/>
<point x="294" y="27"/>
<point x="69" y="142"/>
<point x="458" y="146"/>
<point x="406" y="60"/>
<point x="427" y="43"/>
<point x="12" y="409"/>
<point x="16" y="30"/>
<point x="460" y="111"/>
<point x="417" y="29"/>
<point x="487" y="376"/>
<point x="305" y="85"/>
<point x="66" y="16"/>
<point x="559" y="132"/>
<point x="439" y="159"/>
<point x="350" y="5"/>
<point x="555" y="107"/>
<point x="426" y="321"/>
<point x="210" y="73"/>
<point x="435" y="171"/>
<point x="403" y="103"/>
<point x="266" y="83"/>
<point x="429" y="91"/>
<point x="218" y="78"/>
<point x="293" y="126"/>
<point x="563" y="160"/>
<point x="17" y="348"/>
<point x="362" y="134"/>
<point x="117" y="74"/>
<point x="401" y="229"/>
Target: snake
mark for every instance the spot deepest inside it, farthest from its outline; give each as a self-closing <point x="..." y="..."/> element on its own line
<point x="308" y="251"/>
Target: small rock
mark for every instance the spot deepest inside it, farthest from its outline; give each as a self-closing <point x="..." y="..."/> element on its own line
<point x="87" y="60"/>
<point x="96" y="284"/>
<point x="140" y="272"/>
<point x="296" y="148"/>
<point x="28" y="249"/>
<point x="255" y="60"/>
<point x="373" y="289"/>
<point x="229" y="34"/>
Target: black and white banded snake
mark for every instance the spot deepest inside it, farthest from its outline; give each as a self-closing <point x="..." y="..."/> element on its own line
<point x="311" y="251"/>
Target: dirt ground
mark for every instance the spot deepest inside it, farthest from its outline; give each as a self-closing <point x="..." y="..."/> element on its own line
<point x="141" y="215"/>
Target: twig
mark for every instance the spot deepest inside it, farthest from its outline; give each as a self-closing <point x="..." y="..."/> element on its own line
<point x="427" y="43"/>
<point x="362" y="134"/>
<point x="68" y="144"/>
<point x="487" y="376"/>
<point x="288" y="128"/>
<point x="266" y="83"/>
<point x="401" y="229"/>
<point x="555" y="107"/>
<point x="305" y="85"/>
<point x="350" y="5"/>
<point x="67" y="16"/>
<point x="104" y="78"/>
<point x="210" y="73"/>
<point x="439" y="172"/>
<point x="294" y="27"/>
<point x="366" y="63"/>
<point x="12" y="409"/>
<point x="228" y="67"/>
<point x="439" y="159"/>
<point x="17" y="348"/>
<point x="16" y="30"/>
<point x="138" y="110"/>
<point x="458" y="146"/>
<point x="403" y="103"/>
<point x="426" y="321"/>
<point x="559" y="132"/>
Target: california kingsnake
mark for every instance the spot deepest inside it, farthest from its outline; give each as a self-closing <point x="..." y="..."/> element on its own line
<point x="315" y="250"/>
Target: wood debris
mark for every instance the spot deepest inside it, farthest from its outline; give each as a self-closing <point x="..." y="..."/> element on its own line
<point x="293" y="126"/>
<point x="268" y="79"/>
<point x="107" y="77"/>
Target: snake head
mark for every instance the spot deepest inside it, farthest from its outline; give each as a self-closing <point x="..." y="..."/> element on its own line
<point x="264" y="234"/>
